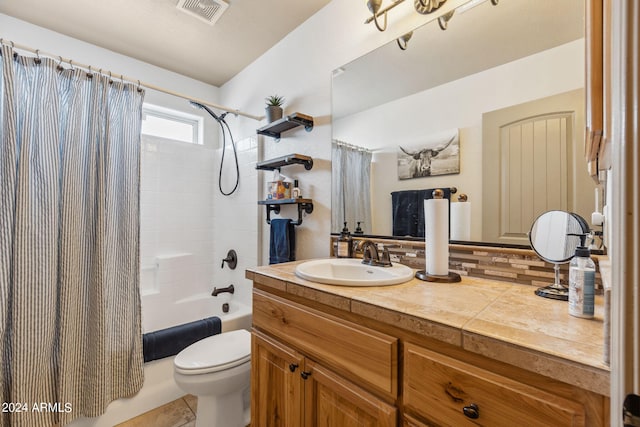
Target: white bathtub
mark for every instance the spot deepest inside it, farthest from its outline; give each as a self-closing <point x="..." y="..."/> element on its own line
<point x="158" y="314"/>
<point x="159" y="387"/>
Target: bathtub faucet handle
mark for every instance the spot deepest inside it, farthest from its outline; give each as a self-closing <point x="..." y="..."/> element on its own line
<point x="230" y="289"/>
<point x="231" y="259"/>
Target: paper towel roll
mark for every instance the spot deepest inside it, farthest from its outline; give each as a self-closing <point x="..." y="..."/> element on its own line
<point x="461" y="221"/>
<point x="436" y="234"/>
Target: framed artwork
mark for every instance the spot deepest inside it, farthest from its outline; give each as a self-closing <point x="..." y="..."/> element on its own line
<point x="439" y="155"/>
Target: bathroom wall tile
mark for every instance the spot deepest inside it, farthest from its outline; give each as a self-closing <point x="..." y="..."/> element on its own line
<point x="515" y="265"/>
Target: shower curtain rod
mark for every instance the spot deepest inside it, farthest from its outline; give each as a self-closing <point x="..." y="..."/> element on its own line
<point x="90" y="68"/>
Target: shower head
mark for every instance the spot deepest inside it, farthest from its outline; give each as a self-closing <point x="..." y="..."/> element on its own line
<point x="208" y="110"/>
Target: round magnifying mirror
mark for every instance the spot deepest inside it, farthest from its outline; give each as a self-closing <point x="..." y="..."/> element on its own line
<point x="554" y="236"/>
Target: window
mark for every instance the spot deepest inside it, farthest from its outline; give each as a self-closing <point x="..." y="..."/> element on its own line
<point x="171" y="124"/>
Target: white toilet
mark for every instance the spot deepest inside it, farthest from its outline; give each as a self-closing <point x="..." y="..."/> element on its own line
<point x="217" y="370"/>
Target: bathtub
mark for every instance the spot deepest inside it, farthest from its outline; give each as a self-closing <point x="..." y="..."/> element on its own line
<point x="159" y="387"/>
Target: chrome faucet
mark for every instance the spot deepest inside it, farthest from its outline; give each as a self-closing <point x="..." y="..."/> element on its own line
<point x="217" y="291"/>
<point x="370" y="254"/>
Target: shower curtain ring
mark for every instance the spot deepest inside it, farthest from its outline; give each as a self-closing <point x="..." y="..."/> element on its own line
<point x="139" y="88"/>
<point x="37" y="60"/>
<point x="71" y="64"/>
<point x="89" y="75"/>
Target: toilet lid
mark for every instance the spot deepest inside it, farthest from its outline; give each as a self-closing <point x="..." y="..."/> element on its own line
<point x="218" y="352"/>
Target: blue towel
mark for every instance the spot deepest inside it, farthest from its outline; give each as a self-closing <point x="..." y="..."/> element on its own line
<point x="408" y="210"/>
<point x="171" y="341"/>
<point x="282" y="244"/>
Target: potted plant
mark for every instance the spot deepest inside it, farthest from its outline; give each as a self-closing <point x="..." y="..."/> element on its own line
<point x="274" y="107"/>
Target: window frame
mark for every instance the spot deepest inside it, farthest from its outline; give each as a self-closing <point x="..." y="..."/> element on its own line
<point x="195" y="121"/>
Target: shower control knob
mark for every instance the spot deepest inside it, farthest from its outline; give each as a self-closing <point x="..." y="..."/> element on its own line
<point x="231" y="259"/>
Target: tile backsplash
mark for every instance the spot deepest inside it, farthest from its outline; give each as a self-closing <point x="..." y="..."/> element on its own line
<point x="497" y="263"/>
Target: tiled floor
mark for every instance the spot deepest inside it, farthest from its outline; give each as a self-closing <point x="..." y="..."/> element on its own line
<point x="179" y="413"/>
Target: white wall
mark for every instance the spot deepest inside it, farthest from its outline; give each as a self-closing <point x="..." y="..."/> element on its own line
<point x="299" y="68"/>
<point x="234" y="222"/>
<point x="458" y="104"/>
<point x="176" y="227"/>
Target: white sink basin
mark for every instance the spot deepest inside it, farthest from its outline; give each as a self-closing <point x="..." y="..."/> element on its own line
<point x="352" y="272"/>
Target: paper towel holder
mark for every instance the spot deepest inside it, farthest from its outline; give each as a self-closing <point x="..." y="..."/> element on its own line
<point x="449" y="278"/>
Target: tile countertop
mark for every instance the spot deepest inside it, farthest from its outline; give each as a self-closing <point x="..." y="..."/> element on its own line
<point x="500" y="320"/>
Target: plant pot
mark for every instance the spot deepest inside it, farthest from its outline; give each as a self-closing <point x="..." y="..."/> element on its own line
<point x="273" y="113"/>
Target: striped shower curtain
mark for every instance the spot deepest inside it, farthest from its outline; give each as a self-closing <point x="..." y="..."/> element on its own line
<point x="351" y="187"/>
<point x="70" y="334"/>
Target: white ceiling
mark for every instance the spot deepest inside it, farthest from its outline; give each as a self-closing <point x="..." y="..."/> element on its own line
<point x="156" y="32"/>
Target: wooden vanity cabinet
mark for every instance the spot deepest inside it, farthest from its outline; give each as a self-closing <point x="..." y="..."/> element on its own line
<point x="330" y="400"/>
<point x="449" y="392"/>
<point x="320" y="382"/>
<point x="275" y="383"/>
<point x="311" y="368"/>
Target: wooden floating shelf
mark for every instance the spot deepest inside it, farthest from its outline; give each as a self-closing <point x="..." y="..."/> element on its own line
<point x="289" y="159"/>
<point x="275" y="129"/>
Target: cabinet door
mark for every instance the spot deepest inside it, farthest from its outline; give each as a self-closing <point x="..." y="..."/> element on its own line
<point x="453" y="393"/>
<point x="276" y="384"/>
<point x="409" y="421"/>
<point x="353" y="350"/>
<point x="332" y="401"/>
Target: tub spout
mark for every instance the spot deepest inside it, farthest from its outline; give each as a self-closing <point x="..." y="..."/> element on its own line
<point x="230" y="289"/>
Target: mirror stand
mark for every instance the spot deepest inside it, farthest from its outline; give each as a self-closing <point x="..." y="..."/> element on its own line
<point x="557" y="290"/>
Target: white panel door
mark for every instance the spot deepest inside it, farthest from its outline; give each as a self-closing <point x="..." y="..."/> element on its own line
<point x="533" y="169"/>
<point x="533" y="162"/>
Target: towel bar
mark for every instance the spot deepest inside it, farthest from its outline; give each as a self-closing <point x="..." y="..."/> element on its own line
<point x="274" y="205"/>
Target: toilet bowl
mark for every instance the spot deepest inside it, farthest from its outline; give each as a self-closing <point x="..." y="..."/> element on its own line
<point x="217" y="371"/>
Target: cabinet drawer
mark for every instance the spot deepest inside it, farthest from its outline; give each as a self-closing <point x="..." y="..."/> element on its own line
<point x="438" y="388"/>
<point x="350" y="349"/>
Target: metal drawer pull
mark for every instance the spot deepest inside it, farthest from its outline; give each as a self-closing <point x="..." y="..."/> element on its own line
<point x="471" y="411"/>
<point x="293" y="366"/>
<point x="305" y="375"/>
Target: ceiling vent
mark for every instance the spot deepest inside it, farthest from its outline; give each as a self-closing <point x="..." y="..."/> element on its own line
<point x="208" y="11"/>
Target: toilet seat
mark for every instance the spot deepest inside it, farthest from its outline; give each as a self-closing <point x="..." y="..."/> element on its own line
<point x="215" y="353"/>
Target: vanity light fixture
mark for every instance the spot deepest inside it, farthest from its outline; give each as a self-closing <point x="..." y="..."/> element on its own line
<point x="473" y="3"/>
<point x="423" y="7"/>
<point x="443" y="21"/>
<point x="374" y="8"/>
<point x="402" y="41"/>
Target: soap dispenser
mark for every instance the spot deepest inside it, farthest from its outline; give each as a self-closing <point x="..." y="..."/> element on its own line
<point x="345" y="244"/>
<point x="358" y="229"/>
<point x="582" y="275"/>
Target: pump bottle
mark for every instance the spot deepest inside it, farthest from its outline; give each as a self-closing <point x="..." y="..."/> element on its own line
<point x="345" y="244"/>
<point x="582" y="274"/>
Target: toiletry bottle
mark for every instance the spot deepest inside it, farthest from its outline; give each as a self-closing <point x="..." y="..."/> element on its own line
<point x="345" y="244"/>
<point x="582" y="275"/>
<point x="358" y="229"/>
<point x="295" y="193"/>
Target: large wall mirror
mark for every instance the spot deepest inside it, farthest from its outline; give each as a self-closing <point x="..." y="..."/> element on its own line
<point x="492" y="106"/>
